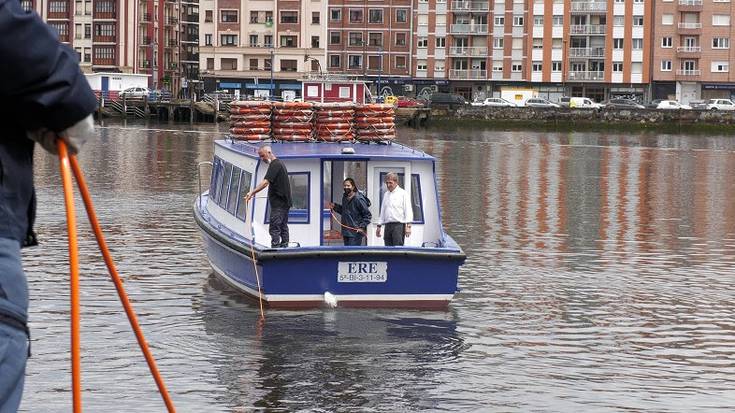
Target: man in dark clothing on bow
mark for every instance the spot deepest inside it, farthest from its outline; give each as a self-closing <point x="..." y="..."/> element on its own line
<point x="44" y="97"/>
<point x="355" y="211"/>
<point x="279" y="196"/>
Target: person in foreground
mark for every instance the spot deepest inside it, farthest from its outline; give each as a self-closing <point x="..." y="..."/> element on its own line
<point x="355" y="211"/>
<point x="43" y="96"/>
<point x="279" y="196"/>
<point x="396" y="213"/>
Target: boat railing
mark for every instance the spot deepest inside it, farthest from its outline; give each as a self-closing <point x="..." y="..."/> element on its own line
<point x="199" y="178"/>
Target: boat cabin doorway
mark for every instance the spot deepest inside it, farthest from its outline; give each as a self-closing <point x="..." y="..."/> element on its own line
<point x="333" y="175"/>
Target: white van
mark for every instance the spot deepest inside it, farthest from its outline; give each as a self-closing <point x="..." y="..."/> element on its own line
<point x="583" y="103"/>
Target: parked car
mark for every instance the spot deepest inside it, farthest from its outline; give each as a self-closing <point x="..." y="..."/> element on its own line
<point x="720" y="104"/>
<point x="539" y="103"/>
<point x="698" y="104"/>
<point x="583" y="103"/>
<point x="135" y="92"/>
<point x="447" y="99"/>
<point x="564" y="101"/>
<point x="653" y="104"/>
<point x="407" y="102"/>
<point x="623" y="104"/>
<point x="672" y="104"/>
<point x="494" y="102"/>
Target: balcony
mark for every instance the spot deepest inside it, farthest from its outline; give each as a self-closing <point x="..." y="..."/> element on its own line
<point x="172" y="20"/>
<point x="190" y="57"/>
<point x="690" y="5"/>
<point x="690" y="27"/>
<point x="587" y="29"/>
<point x="103" y="39"/>
<point x="145" y="64"/>
<point x="584" y="75"/>
<point x="468" y="28"/>
<point x="106" y="15"/>
<point x="145" y="41"/>
<point x="468" y="51"/>
<point x="190" y="18"/>
<point x="103" y="62"/>
<point x="171" y="66"/>
<point x="145" y="18"/>
<point x="688" y="72"/>
<point x="689" y="51"/>
<point x="173" y="42"/>
<point x="58" y="15"/>
<point x="589" y="6"/>
<point x="464" y="74"/>
<point x="587" y="52"/>
<point x="470" y="6"/>
<point x="190" y="38"/>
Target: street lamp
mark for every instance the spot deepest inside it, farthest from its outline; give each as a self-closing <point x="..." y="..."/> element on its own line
<point x="272" y="87"/>
<point x="380" y="73"/>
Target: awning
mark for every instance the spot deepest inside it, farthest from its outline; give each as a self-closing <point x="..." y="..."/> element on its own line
<point x="718" y="86"/>
<point x="230" y="85"/>
<point x="259" y="86"/>
<point x="290" y="86"/>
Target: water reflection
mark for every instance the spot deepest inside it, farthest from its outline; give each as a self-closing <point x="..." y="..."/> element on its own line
<point x="326" y="358"/>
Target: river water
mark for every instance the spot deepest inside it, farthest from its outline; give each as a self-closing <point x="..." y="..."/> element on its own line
<point x="599" y="277"/>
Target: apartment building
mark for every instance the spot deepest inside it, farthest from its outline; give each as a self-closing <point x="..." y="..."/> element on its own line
<point x="189" y="52"/>
<point x="373" y="40"/>
<point x="691" y="50"/>
<point x="478" y="48"/>
<point x="245" y="44"/>
<point x="100" y="30"/>
<point x="157" y="38"/>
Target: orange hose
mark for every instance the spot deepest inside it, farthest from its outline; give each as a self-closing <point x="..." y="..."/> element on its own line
<point x="71" y="227"/>
<point x="358" y="230"/>
<point x="118" y="283"/>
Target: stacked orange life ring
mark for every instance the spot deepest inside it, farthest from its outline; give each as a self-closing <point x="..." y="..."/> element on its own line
<point x="334" y="122"/>
<point x="292" y="121"/>
<point x="375" y="123"/>
<point x="250" y="120"/>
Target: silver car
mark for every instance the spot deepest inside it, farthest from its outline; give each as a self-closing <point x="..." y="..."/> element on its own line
<point x="539" y="103"/>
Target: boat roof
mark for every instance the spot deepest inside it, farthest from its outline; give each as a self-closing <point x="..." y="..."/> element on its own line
<point x="330" y="150"/>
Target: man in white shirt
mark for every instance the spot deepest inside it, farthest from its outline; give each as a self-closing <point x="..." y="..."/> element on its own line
<point x="396" y="213"/>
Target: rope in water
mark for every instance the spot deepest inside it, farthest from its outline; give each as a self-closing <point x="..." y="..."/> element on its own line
<point x="255" y="263"/>
<point x="73" y="258"/>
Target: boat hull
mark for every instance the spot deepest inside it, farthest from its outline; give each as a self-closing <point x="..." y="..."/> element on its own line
<point x="299" y="277"/>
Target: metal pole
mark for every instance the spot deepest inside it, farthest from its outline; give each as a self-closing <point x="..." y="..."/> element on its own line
<point x="272" y="86"/>
<point x="380" y="74"/>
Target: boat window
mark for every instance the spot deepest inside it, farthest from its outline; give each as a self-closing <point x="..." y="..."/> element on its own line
<point x="244" y="188"/>
<point x="224" y="187"/>
<point x="299" y="212"/>
<point x="216" y="172"/>
<point x="417" y="204"/>
<point x="234" y="185"/>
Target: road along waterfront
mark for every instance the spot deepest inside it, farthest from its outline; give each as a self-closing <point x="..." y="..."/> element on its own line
<point x="599" y="278"/>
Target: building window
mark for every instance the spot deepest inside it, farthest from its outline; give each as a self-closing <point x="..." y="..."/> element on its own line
<point x="253" y="16"/>
<point x="497" y="68"/>
<point x="289" y="41"/>
<point x="87" y="55"/>
<point x="498" y="43"/>
<point x="253" y="64"/>
<point x="637" y="44"/>
<point x="208" y="16"/>
<point x="556" y="66"/>
<point x="314" y="42"/>
<point x="400" y="62"/>
<point x="355" y="16"/>
<point x="536" y="67"/>
<point x="558" y="21"/>
<point x="666" y="65"/>
<point x="538" y="43"/>
<point x="228" y="40"/>
<point x="666" y="42"/>
<point x="228" y="16"/>
<point x="289" y="17"/>
<point x="375" y="39"/>
<point x="335" y="14"/>
<point x="253" y="40"/>
<point x="374" y="63"/>
<point x="422" y="43"/>
<point x="87" y="31"/>
<point x="267" y="40"/>
<point x="375" y="16"/>
<point x="617" y="43"/>
<point x="667" y="19"/>
<point x="441" y="42"/>
<point x="720" y="20"/>
<point x="517" y="20"/>
<point x="354" y="61"/>
<point x="439" y="66"/>
<point x="335" y="38"/>
<point x="267" y="64"/>
<point x="516" y="67"/>
<point x="210" y="63"/>
<point x="269" y="17"/>
<point x="421" y="66"/>
<point x="315" y="18"/>
<point x="228" y="64"/>
<point x="401" y="15"/>
<point x="355" y="39"/>
<point x="400" y="39"/>
<point x="720" y="67"/>
<point x="538" y="20"/>
<point x="619" y="21"/>
<point x="637" y="21"/>
<point x="617" y="67"/>
<point x="334" y="61"/>
<point x="720" y="42"/>
<point x="499" y="21"/>
<point x="288" y="65"/>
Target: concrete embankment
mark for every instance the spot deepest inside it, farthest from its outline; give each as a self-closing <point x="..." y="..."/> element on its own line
<point x="565" y="118"/>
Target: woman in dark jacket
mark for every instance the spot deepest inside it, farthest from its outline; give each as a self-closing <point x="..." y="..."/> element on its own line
<point x="355" y="211"/>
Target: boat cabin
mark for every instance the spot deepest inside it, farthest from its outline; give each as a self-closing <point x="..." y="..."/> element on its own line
<point x="317" y="171"/>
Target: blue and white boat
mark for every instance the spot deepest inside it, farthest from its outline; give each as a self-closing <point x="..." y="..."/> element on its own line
<point x="421" y="274"/>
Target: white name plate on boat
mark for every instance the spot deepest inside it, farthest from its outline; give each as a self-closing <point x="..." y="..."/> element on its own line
<point x="362" y="272"/>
